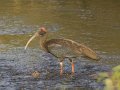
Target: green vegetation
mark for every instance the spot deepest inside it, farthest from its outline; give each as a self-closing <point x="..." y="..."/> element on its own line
<point x="111" y="79"/>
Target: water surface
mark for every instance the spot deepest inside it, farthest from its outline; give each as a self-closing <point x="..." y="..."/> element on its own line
<point x="94" y="23"/>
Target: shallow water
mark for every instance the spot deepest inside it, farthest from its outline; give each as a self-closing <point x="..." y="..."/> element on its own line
<point x="94" y="23"/>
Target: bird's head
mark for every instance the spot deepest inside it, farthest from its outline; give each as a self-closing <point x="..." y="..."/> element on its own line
<point x="40" y="33"/>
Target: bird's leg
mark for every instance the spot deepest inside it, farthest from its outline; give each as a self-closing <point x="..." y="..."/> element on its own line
<point x="61" y="68"/>
<point x="73" y="66"/>
<point x="61" y="65"/>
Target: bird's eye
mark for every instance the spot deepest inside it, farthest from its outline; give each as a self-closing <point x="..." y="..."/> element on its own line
<point x="42" y="33"/>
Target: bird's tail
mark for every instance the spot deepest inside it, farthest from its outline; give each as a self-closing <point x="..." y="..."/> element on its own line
<point x="89" y="52"/>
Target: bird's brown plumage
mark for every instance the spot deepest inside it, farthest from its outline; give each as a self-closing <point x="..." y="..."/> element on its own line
<point x="77" y="48"/>
<point x="63" y="48"/>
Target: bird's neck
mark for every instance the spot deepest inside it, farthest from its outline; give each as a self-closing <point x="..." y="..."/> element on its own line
<point x="43" y="41"/>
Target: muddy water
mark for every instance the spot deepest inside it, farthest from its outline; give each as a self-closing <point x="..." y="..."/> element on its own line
<point x="94" y="23"/>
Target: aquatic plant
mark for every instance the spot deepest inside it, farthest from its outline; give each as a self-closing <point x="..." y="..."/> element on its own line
<point x="111" y="79"/>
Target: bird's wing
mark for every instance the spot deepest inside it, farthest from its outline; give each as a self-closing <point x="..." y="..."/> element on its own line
<point x="61" y="47"/>
<point x="80" y="49"/>
<point x="61" y="51"/>
<point x="72" y="46"/>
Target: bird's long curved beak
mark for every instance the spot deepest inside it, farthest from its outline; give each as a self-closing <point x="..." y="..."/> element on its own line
<point x="30" y="40"/>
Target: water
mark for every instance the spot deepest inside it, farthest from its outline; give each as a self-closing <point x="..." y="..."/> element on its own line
<point x="94" y="23"/>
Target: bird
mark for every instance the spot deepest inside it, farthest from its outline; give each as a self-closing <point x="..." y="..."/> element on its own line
<point x="62" y="48"/>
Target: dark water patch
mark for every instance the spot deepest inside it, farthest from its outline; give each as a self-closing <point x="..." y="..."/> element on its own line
<point x="15" y="26"/>
<point x="17" y="65"/>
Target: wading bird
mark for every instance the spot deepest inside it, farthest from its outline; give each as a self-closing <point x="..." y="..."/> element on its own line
<point x="62" y="48"/>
